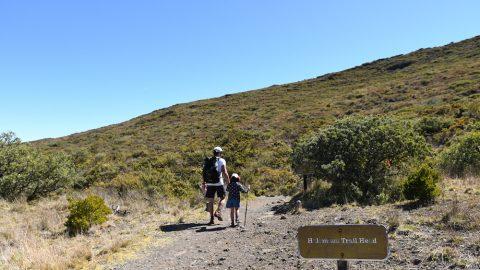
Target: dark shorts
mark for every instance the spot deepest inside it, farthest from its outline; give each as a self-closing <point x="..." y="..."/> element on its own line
<point x="233" y="203"/>
<point x="211" y="190"/>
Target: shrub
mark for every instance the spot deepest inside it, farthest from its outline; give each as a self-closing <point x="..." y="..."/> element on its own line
<point x="125" y="182"/>
<point x="361" y="157"/>
<point x="431" y="125"/>
<point x="86" y="213"/>
<point x="240" y="147"/>
<point x="463" y="156"/>
<point x="165" y="182"/>
<point x="422" y="184"/>
<point x="473" y="110"/>
<point x="270" y="181"/>
<point x="436" y="129"/>
<point x="165" y="160"/>
<point x="317" y="196"/>
<point x="278" y="155"/>
<point x="100" y="172"/>
<point x="26" y="172"/>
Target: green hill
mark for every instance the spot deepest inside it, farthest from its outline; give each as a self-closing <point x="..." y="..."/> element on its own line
<point x="163" y="151"/>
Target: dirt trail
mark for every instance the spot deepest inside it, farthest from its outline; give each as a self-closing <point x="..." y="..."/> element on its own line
<point x="269" y="241"/>
<point x="197" y="246"/>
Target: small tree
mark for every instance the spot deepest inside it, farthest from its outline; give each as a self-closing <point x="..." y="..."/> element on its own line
<point x="360" y="157"/>
<point x="27" y="172"/>
<point x="86" y="213"/>
<point x="422" y="184"/>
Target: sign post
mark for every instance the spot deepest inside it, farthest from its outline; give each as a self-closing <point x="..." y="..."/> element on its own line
<point x="343" y="243"/>
<point x="342" y="265"/>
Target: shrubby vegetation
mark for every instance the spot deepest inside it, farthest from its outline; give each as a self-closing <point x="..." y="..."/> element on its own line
<point x="27" y="172"/>
<point x="258" y="128"/>
<point x="431" y="125"/>
<point x="176" y="175"/>
<point x="86" y="213"/>
<point x="422" y="184"/>
<point x="361" y="157"/>
<point x="463" y="156"/>
<point x="435" y="129"/>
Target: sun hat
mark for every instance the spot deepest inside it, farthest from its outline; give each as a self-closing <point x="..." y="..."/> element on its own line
<point x="217" y="149"/>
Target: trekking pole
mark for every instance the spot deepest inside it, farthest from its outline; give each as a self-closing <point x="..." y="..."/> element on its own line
<point x="246" y="207"/>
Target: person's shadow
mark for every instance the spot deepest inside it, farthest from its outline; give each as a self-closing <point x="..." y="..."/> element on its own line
<point x="198" y="227"/>
<point x="210" y="229"/>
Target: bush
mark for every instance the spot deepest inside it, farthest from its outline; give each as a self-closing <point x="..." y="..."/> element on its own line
<point x="165" y="182"/>
<point x="317" y="195"/>
<point x="437" y="130"/>
<point x="240" y="147"/>
<point x="26" y="172"/>
<point x="463" y="156"/>
<point x="422" y="184"/>
<point x="431" y="125"/>
<point x="268" y="181"/>
<point x="100" y="172"/>
<point x="125" y="182"/>
<point x="86" y="213"/>
<point x="360" y="157"/>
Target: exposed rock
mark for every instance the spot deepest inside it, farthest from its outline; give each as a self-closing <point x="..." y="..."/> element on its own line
<point x="416" y="261"/>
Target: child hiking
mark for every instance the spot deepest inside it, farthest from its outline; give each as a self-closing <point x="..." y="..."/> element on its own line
<point x="234" y="188"/>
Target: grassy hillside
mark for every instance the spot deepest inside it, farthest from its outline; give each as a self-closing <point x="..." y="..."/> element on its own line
<point x="163" y="150"/>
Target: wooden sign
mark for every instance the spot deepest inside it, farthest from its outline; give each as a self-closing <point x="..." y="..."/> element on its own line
<point x="343" y="242"/>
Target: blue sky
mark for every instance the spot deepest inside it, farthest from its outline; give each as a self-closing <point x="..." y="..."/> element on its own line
<point x="70" y="66"/>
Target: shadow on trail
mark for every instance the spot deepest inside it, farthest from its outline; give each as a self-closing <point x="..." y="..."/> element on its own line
<point x="181" y="227"/>
<point x="410" y="206"/>
<point x="211" y="229"/>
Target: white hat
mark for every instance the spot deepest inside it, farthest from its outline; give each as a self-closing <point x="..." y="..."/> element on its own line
<point x="217" y="149"/>
<point x="234" y="175"/>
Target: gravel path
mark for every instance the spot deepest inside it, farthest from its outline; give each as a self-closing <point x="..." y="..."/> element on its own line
<point x="197" y="246"/>
<point x="269" y="241"/>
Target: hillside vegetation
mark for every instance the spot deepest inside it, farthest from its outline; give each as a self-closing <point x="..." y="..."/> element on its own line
<point x="437" y="88"/>
<point x="382" y="143"/>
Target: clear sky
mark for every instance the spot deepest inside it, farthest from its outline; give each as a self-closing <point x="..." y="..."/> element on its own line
<point x="70" y="66"/>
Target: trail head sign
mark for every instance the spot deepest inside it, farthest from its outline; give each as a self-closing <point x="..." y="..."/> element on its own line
<point x="343" y="242"/>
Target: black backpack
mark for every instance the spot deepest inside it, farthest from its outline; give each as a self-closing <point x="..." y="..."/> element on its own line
<point x="210" y="173"/>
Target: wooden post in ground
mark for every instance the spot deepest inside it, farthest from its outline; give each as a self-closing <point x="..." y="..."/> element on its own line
<point x="305" y="183"/>
<point x="342" y="265"/>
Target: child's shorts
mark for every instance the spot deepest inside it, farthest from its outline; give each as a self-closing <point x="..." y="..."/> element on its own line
<point x="233" y="203"/>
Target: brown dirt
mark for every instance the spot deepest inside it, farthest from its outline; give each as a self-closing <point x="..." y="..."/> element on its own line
<point x="269" y="239"/>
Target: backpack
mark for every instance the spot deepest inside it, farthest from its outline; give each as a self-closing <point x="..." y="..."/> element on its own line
<point x="210" y="173"/>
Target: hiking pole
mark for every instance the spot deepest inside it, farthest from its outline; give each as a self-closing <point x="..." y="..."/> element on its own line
<point x="246" y="208"/>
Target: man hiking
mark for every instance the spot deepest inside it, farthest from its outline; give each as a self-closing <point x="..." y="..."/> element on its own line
<point x="214" y="173"/>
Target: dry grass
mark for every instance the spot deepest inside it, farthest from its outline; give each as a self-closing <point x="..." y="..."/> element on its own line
<point x="443" y="254"/>
<point x="32" y="236"/>
<point x="393" y="222"/>
<point x="460" y="208"/>
<point x="454" y="220"/>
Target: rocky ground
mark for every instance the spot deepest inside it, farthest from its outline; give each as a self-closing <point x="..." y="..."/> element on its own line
<point x="419" y="238"/>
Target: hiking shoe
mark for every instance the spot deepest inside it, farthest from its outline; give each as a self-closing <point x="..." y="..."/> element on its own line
<point x="212" y="222"/>
<point x="218" y="216"/>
